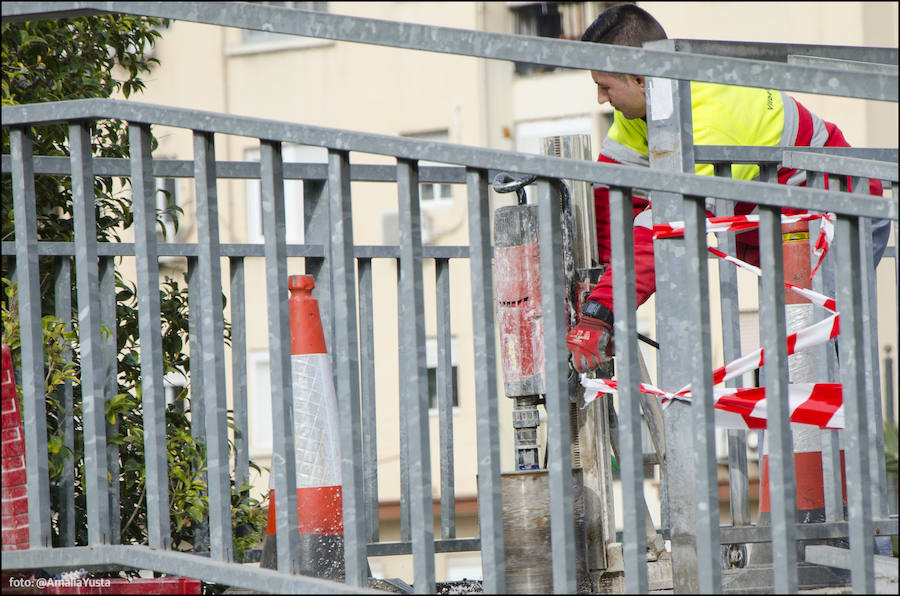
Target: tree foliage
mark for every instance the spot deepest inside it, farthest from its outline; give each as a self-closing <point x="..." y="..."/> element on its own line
<point x="91" y="57"/>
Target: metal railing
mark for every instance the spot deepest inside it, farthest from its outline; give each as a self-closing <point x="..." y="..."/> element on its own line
<point x="330" y="255"/>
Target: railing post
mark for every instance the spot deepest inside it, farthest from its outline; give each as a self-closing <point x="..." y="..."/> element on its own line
<point x="562" y="532"/>
<point x="111" y="388"/>
<point x="670" y="148"/>
<point x="826" y="371"/>
<point x="773" y="330"/>
<point x="709" y="557"/>
<point x="413" y="383"/>
<point x="738" y="481"/>
<point x="346" y="364"/>
<point x="367" y="397"/>
<point x="239" y="372"/>
<point x="200" y="530"/>
<point x="851" y="344"/>
<point x="213" y="356"/>
<point x="445" y="396"/>
<point x="65" y="497"/>
<point x="631" y="459"/>
<point x="490" y="501"/>
<point x="283" y="461"/>
<point x="34" y="411"/>
<point x="94" y="420"/>
<point x="868" y="285"/>
<point x="152" y="394"/>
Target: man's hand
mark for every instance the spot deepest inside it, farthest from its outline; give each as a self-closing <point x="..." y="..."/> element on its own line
<point x="590" y="342"/>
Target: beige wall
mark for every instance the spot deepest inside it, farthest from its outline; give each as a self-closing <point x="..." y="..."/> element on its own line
<point x="478" y="102"/>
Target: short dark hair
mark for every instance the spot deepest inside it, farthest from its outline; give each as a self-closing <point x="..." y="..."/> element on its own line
<point x="624" y="25"/>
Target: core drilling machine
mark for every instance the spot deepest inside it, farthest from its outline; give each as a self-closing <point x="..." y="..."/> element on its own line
<point x="518" y="307"/>
<point x="517" y="290"/>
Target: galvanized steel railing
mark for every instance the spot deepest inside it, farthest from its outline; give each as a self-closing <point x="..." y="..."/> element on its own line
<point x="677" y="196"/>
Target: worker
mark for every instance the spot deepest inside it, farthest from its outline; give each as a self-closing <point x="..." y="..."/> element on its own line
<point x="722" y="115"/>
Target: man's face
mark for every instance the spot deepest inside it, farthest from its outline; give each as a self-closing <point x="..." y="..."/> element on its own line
<point x="625" y="94"/>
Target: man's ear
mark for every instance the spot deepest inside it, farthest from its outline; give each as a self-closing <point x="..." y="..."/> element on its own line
<point x="640" y="80"/>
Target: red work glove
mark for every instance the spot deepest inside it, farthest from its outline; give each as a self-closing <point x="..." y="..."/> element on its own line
<point x="590" y="340"/>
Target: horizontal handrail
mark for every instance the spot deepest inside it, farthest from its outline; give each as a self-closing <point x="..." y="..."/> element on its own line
<point x="845" y="166"/>
<point x="744" y="154"/>
<point x="184" y="168"/>
<point x="497" y="46"/>
<point x="474" y="157"/>
<point x="192" y="249"/>
<point x="779" y="52"/>
<point x="175" y="563"/>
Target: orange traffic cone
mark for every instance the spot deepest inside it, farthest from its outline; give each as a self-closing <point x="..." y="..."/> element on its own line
<point x="316" y="444"/>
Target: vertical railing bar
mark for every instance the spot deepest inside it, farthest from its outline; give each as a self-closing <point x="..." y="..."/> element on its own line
<point x="316" y="226"/>
<point x="823" y="282"/>
<point x="895" y="189"/>
<point x="239" y="372"/>
<point x="562" y="536"/>
<point x="628" y="375"/>
<point x="403" y="420"/>
<point x="34" y="410"/>
<point x="851" y="344"/>
<point x="212" y="329"/>
<point x="738" y="481"/>
<point x="111" y="388"/>
<point x="153" y="397"/>
<point x="413" y="382"/>
<point x="65" y="502"/>
<point x="445" y="396"/>
<point x="867" y="282"/>
<point x="283" y="459"/>
<point x="490" y="500"/>
<point x="671" y="149"/>
<point x="198" y="404"/>
<point x="704" y="424"/>
<point x="367" y="396"/>
<point x="773" y="330"/>
<point x="346" y="365"/>
<point x="87" y="281"/>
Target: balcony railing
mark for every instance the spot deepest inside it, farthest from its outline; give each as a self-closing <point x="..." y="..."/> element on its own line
<point x="342" y="267"/>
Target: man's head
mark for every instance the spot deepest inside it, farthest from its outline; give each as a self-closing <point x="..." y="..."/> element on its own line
<point x="623" y="25"/>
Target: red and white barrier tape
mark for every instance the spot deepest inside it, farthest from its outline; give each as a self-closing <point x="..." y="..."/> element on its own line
<point x="819" y="404"/>
<point x="738" y="223"/>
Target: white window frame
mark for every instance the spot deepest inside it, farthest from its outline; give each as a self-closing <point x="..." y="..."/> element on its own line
<point x="293" y="193"/>
<point x="259" y="401"/>
<point x="441" y="200"/>
<point x="431" y="363"/>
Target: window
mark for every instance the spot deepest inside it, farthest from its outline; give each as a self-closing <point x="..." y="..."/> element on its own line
<point x="253" y="36"/>
<point x="432" y="194"/>
<point x="432" y="363"/>
<point x="559" y="20"/>
<point x="433" y="197"/>
<point x="293" y="193"/>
